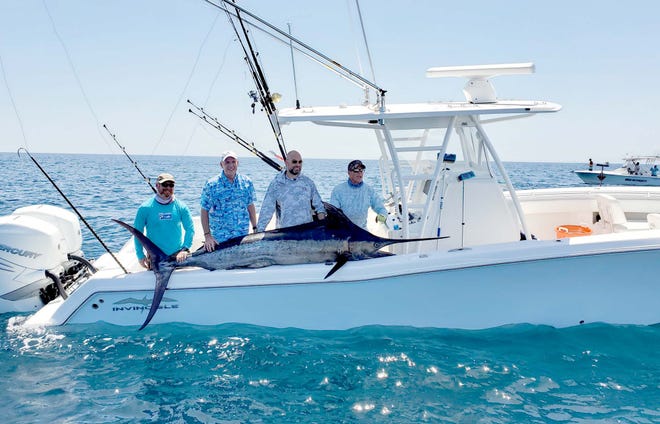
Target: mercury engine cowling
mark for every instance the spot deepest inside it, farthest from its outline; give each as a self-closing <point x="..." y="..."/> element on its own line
<point x="33" y="240"/>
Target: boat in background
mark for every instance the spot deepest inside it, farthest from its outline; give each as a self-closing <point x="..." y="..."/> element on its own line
<point x="635" y="171"/>
<point x="559" y="257"/>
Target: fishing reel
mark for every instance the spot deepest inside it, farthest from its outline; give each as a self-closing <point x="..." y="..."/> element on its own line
<point x="274" y="98"/>
<point x="255" y="100"/>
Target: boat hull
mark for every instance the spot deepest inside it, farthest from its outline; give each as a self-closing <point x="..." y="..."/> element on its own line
<point x="592" y="177"/>
<point x="551" y="283"/>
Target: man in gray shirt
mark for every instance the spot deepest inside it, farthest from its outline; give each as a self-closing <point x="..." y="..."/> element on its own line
<point x="290" y="196"/>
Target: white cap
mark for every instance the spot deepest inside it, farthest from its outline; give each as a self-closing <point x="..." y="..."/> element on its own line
<point x="229" y="154"/>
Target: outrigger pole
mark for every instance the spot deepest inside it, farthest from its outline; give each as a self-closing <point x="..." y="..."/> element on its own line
<point x="293" y="68"/>
<point x="89" y="227"/>
<point x="123" y="149"/>
<point x="212" y="121"/>
<point x="263" y="92"/>
<point x="303" y="48"/>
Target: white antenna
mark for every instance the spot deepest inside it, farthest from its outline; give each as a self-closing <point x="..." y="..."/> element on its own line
<point x="478" y="88"/>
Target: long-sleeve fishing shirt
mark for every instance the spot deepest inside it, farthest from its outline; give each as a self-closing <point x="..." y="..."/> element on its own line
<point x="166" y="225"/>
<point x="355" y="200"/>
<point x="292" y="199"/>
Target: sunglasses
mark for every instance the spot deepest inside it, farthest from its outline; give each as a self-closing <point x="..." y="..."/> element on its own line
<point x="166" y="185"/>
<point x="296" y="161"/>
<point x="357" y="170"/>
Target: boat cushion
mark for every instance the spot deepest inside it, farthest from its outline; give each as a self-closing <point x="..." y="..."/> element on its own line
<point x="613" y="217"/>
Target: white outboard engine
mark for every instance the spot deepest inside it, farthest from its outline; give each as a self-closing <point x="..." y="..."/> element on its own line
<point x="40" y="249"/>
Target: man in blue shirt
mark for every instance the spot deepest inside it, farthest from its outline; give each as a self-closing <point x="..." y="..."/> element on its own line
<point x="166" y="219"/>
<point x="354" y="197"/>
<point x="227" y="205"/>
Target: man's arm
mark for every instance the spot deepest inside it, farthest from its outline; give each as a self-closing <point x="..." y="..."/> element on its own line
<point x="317" y="202"/>
<point x="209" y="241"/>
<point x="252" y="211"/>
<point x="188" y="227"/>
<point x="377" y="202"/>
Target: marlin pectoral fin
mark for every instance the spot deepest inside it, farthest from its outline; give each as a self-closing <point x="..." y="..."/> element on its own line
<point x="341" y="260"/>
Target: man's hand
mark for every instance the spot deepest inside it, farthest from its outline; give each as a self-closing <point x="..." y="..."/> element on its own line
<point x="209" y="243"/>
<point x="320" y="216"/>
<point x="146" y="263"/>
<point x="182" y="255"/>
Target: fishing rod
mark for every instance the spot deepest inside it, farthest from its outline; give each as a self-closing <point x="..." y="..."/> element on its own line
<point x="307" y="50"/>
<point x="123" y="149"/>
<point x="212" y="121"/>
<point x="262" y="93"/>
<point x="89" y="227"/>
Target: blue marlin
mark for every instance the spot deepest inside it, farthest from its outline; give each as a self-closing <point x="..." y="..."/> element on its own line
<point x="334" y="239"/>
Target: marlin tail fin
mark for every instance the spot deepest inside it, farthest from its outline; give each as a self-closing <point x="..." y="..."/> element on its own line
<point x="163" y="273"/>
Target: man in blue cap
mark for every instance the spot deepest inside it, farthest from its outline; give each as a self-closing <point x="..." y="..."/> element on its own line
<point x="354" y="196"/>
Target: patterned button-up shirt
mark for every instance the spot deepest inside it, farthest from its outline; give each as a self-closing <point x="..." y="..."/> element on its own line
<point x="227" y="203"/>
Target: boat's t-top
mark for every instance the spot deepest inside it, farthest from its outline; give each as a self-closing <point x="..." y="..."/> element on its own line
<point x="435" y="158"/>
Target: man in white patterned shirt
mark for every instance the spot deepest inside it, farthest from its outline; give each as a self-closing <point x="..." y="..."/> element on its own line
<point x="291" y="197"/>
<point x="227" y="204"/>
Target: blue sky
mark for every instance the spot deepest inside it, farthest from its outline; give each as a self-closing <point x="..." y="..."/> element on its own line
<point x="138" y="61"/>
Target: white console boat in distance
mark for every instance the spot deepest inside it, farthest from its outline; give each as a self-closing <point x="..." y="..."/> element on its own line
<point x="635" y="171"/>
<point x="560" y="257"/>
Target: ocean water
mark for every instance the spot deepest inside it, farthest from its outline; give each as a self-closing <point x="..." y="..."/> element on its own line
<point x="237" y="373"/>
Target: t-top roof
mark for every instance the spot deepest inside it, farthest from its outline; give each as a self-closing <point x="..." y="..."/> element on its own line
<point x="413" y="111"/>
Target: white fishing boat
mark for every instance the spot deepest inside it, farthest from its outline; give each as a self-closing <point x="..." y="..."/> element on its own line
<point x="635" y="171"/>
<point x="559" y="257"/>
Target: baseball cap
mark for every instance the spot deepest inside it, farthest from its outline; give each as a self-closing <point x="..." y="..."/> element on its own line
<point x="164" y="177"/>
<point x="356" y="164"/>
<point x="229" y="154"/>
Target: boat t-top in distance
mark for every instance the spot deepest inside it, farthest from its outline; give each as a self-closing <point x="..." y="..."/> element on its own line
<point x="635" y="171"/>
<point x="559" y="257"/>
